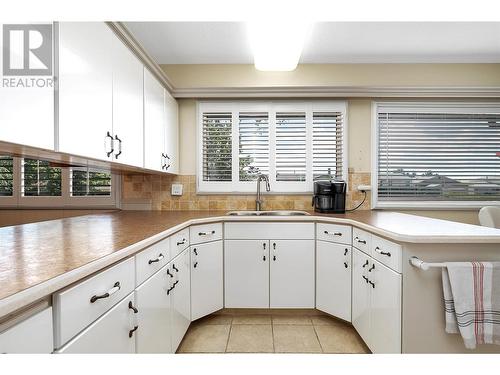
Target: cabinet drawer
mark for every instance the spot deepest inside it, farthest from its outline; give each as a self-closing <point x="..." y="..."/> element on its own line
<point x="361" y="240"/>
<point x="334" y="233"/>
<point x="75" y="308"/>
<point x="150" y="260"/>
<point x="114" y="332"/>
<point x="386" y="252"/>
<point x="178" y="242"/>
<point x="269" y="231"/>
<point x="31" y="336"/>
<point x="205" y="233"/>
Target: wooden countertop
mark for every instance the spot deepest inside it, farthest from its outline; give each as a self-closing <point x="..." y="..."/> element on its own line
<point x="36" y="259"/>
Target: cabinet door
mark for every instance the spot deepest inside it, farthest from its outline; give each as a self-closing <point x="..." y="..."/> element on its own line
<point x="385" y="310"/>
<point x="26" y="113"/>
<point x="333" y="279"/>
<point x="171" y="133"/>
<point x="85" y="88"/>
<point x="207" y="293"/>
<point x="246" y="273"/>
<point x="154" y="304"/>
<point x="154" y="123"/>
<point x="361" y="294"/>
<point x="292" y="274"/>
<point x="112" y="333"/>
<point x="181" y="298"/>
<point x="128" y="105"/>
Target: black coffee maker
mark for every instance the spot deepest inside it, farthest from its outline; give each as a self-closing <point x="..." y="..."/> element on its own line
<point x="329" y="196"/>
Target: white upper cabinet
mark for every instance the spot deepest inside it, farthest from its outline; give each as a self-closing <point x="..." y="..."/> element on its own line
<point x="85" y="89"/>
<point x="171" y="134"/>
<point x="128" y="106"/>
<point x="154" y="123"/>
<point x="26" y="113"/>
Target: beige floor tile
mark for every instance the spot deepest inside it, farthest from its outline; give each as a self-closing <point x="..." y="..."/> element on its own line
<point x="295" y="339"/>
<point x="292" y="319"/>
<point x="340" y="338"/>
<point x="215" y="319"/>
<point x="255" y="338"/>
<point x="205" y="339"/>
<point x="252" y="319"/>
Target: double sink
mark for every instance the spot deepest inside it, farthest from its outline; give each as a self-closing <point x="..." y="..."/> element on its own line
<point x="268" y="213"/>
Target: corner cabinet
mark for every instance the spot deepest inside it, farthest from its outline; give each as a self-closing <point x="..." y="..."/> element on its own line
<point x="207" y="294"/>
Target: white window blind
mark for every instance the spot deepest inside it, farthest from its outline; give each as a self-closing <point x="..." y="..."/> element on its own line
<point x="291" y="142"/>
<point x="217" y="146"/>
<point x="6" y="176"/>
<point x="90" y="182"/>
<point x="40" y="179"/>
<point x="290" y="146"/>
<point x="327" y="145"/>
<point x="253" y="145"/>
<point x="438" y="154"/>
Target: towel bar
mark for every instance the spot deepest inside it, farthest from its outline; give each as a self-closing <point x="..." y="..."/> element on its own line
<point x="419" y="263"/>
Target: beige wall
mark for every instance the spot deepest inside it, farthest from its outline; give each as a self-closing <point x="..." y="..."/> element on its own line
<point x="359" y="109"/>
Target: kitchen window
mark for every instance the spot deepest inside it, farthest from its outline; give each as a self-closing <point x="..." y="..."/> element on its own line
<point x="28" y="182"/>
<point x="293" y="143"/>
<point x="436" y="155"/>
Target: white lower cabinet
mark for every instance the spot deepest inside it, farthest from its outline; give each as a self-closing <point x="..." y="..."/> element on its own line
<point x="114" y="332"/>
<point x="246" y="273"/>
<point x="333" y="279"/>
<point x="31" y="336"/>
<point x="207" y="295"/>
<point x="155" y="308"/>
<point x="291" y="274"/>
<point x="376" y="304"/>
<point x="181" y="297"/>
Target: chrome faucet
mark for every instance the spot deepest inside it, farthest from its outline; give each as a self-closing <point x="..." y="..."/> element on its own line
<point x="258" y="200"/>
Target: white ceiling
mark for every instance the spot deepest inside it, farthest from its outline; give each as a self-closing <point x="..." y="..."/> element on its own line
<point x="328" y="42"/>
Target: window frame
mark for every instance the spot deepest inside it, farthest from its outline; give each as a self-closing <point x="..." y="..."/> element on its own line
<point x="423" y="107"/>
<point x="237" y="187"/>
<point x="65" y="200"/>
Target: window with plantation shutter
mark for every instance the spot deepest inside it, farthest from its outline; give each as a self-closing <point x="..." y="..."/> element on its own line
<point x="437" y="154"/>
<point x="90" y="182"/>
<point x="327" y="145"/>
<point x="253" y="129"/>
<point x="40" y="179"/>
<point x="217" y="146"/>
<point x="293" y="143"/>
<point x="6" y="176"/>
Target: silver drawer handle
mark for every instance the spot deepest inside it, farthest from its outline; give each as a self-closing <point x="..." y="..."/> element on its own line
<point x="108" y="294"/>
<point x="333" y="234"/>
<point x="205" y="233"/>
<point x="379" y="251"/>
<point x="181" y="242"/>
<point x="160" y="257"/>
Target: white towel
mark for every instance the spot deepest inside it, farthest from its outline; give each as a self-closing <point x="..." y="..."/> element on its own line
<point x="472" y="301"/>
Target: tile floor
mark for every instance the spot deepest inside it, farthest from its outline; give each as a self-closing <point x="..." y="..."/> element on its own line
<point x="275" y="331"/>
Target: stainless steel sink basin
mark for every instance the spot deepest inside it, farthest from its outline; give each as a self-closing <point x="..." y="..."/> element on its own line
<point x="268" y="213"/>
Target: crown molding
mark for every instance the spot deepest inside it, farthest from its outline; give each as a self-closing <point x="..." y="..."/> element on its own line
<point x="126" y="37"/>
<point x="336" y="91"/>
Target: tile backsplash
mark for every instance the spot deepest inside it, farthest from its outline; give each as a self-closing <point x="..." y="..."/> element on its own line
<point x="152" y="192"/>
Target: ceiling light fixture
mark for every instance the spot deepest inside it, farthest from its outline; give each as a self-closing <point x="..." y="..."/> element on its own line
<point x="277" y="45"/>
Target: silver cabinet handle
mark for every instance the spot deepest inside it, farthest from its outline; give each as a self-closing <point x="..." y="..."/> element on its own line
<point x="119" y="146"/>
<point x="360" y="241"/>
<point x="333" y="234"/>
<point x="108" y="135"/>
<point x="181" y="242"/>
<point x="274" y="251"/>
<point x="136" y="326"/>
<point x="165" y="156"/>
<point x="160" y="257"/>
<point x="379" y="251"/>
<point x="205" y="233"/>
<point x="263" y="251"/>
<point x="116" y="287"/>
